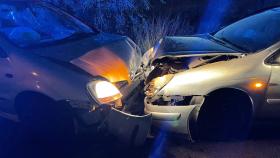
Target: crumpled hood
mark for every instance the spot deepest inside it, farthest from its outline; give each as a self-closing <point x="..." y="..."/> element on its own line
<point x="204" y="79"/>
<point x="111" y="56"/>
<point x="200" y="44"/>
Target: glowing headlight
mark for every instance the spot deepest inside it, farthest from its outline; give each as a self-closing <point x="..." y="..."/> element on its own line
<point x="157" y="84"/>
<point x="104" y="92"/>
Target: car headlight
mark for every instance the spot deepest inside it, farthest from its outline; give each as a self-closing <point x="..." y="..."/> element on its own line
<point x="104" y="92"/>
<point x="157" y="84"/>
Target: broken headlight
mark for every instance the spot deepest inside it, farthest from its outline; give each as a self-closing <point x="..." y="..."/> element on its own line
<point x="157" y="84"/>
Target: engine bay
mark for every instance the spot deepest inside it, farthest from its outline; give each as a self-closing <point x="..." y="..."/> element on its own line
<point x="171" y="65"/>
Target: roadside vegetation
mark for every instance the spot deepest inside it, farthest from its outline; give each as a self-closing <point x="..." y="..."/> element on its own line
<point x="147" y="21"/>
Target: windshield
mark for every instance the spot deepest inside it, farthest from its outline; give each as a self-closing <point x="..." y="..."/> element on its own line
<point x="32" y="24"/>
<point x="253" y="33"/>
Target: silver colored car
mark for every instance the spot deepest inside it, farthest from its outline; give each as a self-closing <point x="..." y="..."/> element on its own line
<point x="220" y="95"/>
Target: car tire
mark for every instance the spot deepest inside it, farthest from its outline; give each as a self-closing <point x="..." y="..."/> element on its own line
<point x="225" y="117"/>
<point x="44" y="120"/>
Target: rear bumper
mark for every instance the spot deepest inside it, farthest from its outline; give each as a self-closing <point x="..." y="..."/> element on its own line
<point x="172" y="118"/>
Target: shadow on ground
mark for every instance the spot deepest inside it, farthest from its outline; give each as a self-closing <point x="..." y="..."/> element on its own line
<point x="264" y="142"/>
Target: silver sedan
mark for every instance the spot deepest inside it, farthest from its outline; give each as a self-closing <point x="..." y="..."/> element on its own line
<point x="222" y="97"/>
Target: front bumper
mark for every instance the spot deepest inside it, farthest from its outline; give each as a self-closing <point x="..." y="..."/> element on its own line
<point x="171" y="118"/>
<point x="129" y="129"/>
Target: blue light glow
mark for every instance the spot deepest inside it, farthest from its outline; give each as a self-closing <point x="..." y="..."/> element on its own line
<point x="214" y="14"/>
<point x="159" y="144"/>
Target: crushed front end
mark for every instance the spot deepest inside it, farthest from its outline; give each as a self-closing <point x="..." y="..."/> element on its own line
<point x="176" y="113"/>
<point x="110" y="118"/>
<point x="172" y="113"/>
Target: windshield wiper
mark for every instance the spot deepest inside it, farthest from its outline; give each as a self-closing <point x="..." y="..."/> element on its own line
<point x="236" y="46"/>
<point x="216" y="59"/>
<point x="78" y="35"/>
<point x="226" y="42"/>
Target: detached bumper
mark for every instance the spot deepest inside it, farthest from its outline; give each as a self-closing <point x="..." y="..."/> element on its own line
<point x="172" y="118"/>
<point x="129" y="129"/>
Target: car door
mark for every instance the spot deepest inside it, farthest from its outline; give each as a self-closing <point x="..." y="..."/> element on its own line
<point x="273" y="89"/>
<point x="273" y="93"/>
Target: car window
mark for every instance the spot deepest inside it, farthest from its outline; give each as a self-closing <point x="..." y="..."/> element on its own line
<point x="254" y="33"/>
<point x="29" y="24"/>
<point x="274" y="59"/>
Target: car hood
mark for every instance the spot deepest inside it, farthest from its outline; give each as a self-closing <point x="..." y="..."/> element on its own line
<point x="235" y="73"/>
<point x="113" y="57"/>
<point x="199" y="44"/>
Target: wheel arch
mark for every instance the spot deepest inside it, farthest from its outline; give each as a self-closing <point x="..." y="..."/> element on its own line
<point x="53" y="114"/>
<point x="30" y="94"/>
<point x="26" y="95"/>
<point x="229" y="90"/>
<point x="193" y="127"/>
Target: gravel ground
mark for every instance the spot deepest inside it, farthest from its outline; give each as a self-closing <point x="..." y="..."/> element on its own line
<point x="263" y="143"/>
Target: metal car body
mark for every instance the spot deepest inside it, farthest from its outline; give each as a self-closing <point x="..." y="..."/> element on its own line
<point x="180" y="82"/>
<point x="45" y="51"/>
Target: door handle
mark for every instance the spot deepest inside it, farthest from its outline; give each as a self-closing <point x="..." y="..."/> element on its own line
<point x="273" y="101"/>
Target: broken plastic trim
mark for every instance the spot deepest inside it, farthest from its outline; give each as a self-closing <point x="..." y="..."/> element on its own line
<point x="176" y="100"/>
<point x="129" y="129"/>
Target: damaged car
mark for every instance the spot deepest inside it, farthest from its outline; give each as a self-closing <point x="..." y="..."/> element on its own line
<point x="217" y="86"/>
<point x="60" y="78"/>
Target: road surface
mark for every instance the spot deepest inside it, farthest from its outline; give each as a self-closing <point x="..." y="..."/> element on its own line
<point x="263" y="143"/>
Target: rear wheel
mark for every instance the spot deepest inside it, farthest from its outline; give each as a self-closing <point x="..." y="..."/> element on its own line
<point x="45" y="120"/>
<point x="225" y="116"/>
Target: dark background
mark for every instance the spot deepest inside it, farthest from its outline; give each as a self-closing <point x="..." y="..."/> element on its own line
<point x="146" y="21"/>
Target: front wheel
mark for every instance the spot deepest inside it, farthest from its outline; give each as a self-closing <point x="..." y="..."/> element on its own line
<point x="225" y="117"/>
<point x="45" y="120"/>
